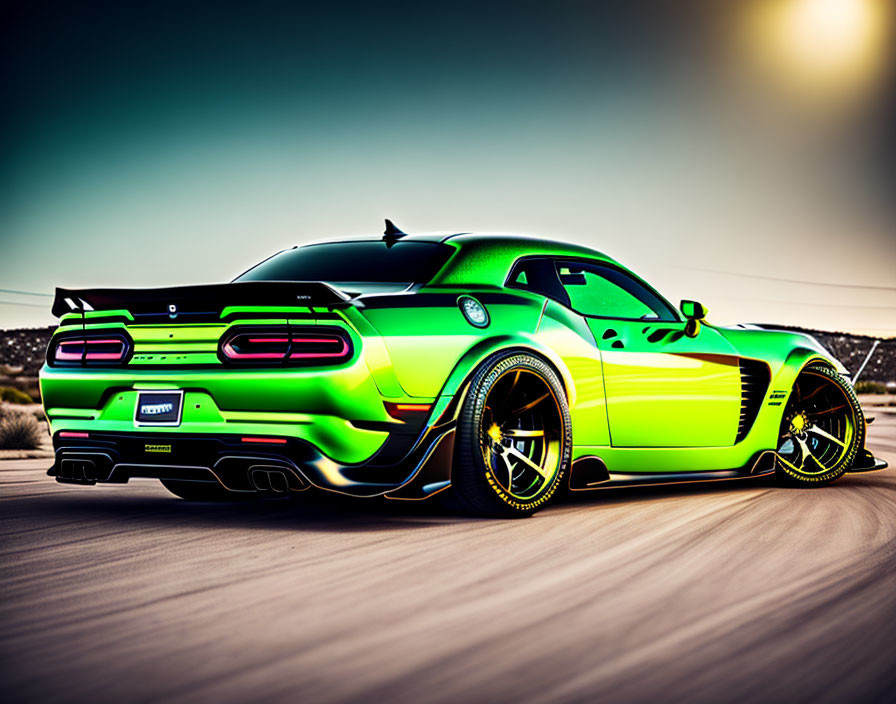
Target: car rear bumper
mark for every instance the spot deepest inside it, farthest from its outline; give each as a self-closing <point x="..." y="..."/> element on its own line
<point x="237" y="462"/>
<point x="339" y="410"/>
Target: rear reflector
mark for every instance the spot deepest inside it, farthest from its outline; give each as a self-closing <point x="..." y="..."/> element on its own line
<point x="269" y="441"/>
<point x="70" y="434"/>
<point x="403" y="411"/>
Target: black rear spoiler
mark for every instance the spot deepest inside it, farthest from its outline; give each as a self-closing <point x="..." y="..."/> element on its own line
<point x="204" y="300"/>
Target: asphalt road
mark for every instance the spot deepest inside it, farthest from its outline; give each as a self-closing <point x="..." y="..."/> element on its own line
<point x="728" y="592"/>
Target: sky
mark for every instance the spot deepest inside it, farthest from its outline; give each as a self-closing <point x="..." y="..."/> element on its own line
<point x="738" y="153"/>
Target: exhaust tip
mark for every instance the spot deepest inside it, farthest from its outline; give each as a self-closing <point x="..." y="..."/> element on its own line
<point x="278" y="481"/>
<point x="269" y="479"/>
<point x="259" y="479"/>
<point x="77" y="470"/>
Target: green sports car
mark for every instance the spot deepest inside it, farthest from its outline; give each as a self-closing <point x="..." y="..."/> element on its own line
<point x="499" y="371"/>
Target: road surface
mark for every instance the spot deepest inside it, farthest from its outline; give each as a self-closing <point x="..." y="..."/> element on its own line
<point x="729" y="592"/>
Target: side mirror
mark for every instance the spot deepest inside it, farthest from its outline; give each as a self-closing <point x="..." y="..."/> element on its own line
<point x="695" y="313"/>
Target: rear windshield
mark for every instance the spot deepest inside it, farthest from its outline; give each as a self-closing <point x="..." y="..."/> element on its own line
<point x="354" y="262"/>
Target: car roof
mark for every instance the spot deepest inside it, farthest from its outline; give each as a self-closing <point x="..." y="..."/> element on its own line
<point x="485" y="258"/>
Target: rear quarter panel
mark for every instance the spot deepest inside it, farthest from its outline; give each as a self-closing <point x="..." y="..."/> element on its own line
<point x="426" y="334"/>
<point x="434" y="350"/>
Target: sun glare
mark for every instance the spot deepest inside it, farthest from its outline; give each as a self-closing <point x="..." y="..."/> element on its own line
<point x="826" y="47"/>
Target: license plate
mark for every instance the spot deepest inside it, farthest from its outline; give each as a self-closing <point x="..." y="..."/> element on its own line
<point x="158" y="407"/>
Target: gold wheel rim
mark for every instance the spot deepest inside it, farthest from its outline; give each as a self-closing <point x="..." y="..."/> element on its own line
<point x="818" y="428"/>
<point x="521" y="434"/>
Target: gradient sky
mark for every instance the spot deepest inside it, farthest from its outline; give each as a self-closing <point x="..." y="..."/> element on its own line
<point x="739" y="153"/>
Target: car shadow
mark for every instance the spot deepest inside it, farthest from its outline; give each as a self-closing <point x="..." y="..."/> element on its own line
<point x="314" y="511"/>
<point x="321" y="511"/>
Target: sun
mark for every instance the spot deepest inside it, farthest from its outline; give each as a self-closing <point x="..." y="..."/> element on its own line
<point x="826" y="47"/>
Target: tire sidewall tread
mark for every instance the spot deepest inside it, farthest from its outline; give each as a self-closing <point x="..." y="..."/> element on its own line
<point x="789" y="477"/>
<point x="474" y="486"/>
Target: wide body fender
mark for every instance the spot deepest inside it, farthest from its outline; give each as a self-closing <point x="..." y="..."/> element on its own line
<point x="570" y="351"/>
<point x="787" y="355"/>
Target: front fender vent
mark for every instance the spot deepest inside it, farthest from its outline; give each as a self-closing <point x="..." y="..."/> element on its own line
<point x="755" y="377"/>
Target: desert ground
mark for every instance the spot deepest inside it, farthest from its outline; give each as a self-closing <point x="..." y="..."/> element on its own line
<point x="728" y="592"/>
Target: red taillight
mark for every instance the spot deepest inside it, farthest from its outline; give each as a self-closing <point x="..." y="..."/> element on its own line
<point x="96" y="350"/>
<point x="70" y="434"/>
<point x="266" y="441"/>
<point x="326" y="346"/>
<point x="332" y="347"/>
<point x="102" y="350"/>
<point x="240" y="348"/>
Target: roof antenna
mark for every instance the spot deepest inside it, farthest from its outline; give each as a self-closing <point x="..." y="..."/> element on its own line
<point x="392" y="233"/>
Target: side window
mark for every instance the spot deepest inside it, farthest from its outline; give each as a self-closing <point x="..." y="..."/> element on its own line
<point x="606" y="292"/>
<point x="540" y="276"/>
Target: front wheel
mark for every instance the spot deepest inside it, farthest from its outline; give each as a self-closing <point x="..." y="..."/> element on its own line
<point x="822" y="431"/>
<point x="514" y="437"/>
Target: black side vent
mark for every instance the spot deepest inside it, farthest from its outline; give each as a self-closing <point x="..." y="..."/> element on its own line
<point x="754" y="380"/>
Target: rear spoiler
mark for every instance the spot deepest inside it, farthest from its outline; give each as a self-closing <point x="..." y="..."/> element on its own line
<point x="204" y="300"/>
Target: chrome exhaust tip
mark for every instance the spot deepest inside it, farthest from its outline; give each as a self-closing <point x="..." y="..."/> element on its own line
<point x="268" y="479"/>
<point x="278" y="481"/>
<point x="77" y="470"/>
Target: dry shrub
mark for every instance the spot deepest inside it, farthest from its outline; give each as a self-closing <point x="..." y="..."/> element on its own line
<point x="19" y="431"/>
<point x="870" y="387"/>
<point x="12" y="395"/>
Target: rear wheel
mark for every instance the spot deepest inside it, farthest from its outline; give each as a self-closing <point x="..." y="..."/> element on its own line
<point x="199" y="491"/>
<point x="822" y="430"/>
<point x="513" y="438"/>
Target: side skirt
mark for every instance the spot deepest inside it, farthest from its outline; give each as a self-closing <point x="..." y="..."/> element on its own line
<point x="590" y="472"/>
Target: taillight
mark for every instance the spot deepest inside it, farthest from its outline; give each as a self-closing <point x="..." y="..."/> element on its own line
<point x="98" y="349"/>
<point x="265" y="441"/>
<point x="285" y="345"/>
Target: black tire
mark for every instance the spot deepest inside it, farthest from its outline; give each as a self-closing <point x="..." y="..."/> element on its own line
<point x="199" y="491"/>
<point x="476" y="486"/>
<point x="822" y="431"/>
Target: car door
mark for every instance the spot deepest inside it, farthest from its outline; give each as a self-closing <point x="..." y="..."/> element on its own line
<point x="663" y="388"/>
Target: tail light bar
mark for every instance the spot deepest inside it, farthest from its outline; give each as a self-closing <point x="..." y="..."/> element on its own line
<point x="265" y="441"/>
<point x="107" y="348"/>
<point x="282" y="344"/>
